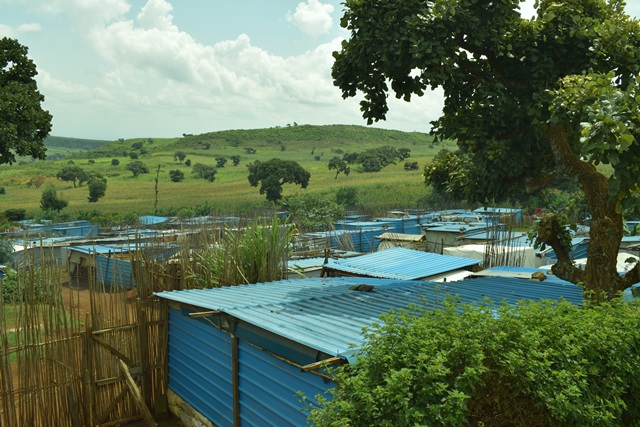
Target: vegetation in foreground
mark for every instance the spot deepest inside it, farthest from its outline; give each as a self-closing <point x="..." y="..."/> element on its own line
<point x="535" y="364"/>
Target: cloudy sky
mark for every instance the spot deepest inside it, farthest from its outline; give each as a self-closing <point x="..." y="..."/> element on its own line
<point x="159" y="68"/>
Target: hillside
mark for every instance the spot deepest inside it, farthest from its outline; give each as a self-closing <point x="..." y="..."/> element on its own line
<point x="73" y="143"/>
<point x="310" y="146"/>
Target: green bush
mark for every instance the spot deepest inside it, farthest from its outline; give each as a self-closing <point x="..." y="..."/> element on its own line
<point x="535" y="364"/>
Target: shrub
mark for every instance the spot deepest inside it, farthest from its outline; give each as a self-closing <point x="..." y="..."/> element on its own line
<point x="176" y="175"/>
<point x="540" y="363"/>
<point x="2" y="190"/>
<point x="15" y="214"/>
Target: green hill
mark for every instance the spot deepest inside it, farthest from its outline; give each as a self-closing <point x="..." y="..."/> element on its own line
<point x="310" y="146"/>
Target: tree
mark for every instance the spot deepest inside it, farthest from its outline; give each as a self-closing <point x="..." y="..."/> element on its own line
<point x="187" y="162"/>
<point x="73" y="173"/>
<point x="529" y="101"/>
<point x="235" y="159"/>
<point x="176" y="175"/>
<point x="137" y="167"/>
<point x="411" y="166"/>
<point x="23" y="123"/>
<point x="179" y="156"/>
<point x="272" y="174"/>
<point x="137" y="145"/>
<point x="115" y="162"/>
<point x="50" y="201"/>
<point x="220" y="162"/>
<point x="133" y="155"/>
<point x="204" y="171"/>
<point x="347" y="197"/>
<point x="311" y="212"/>
<point x="339" y="165"/>
<point x="97" y="188"/>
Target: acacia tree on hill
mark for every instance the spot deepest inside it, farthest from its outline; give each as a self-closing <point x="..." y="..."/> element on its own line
<point x="23" y="123"/>
<point x="273" y="174"/>
<point x="529" y="100"/>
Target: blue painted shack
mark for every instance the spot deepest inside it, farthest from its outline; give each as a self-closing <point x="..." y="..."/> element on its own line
<point x="110" y="265"/>
<point x="240" y="355"/>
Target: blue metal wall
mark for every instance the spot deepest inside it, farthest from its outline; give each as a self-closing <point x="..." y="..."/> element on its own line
<point x="200" y="367"/>
<point x="269" y="387"/>
<point x="200" y="372"/>
<point x="112" y="271"/>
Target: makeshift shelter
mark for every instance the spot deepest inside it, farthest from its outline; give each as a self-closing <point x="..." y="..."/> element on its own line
<point x="240" y="355"/>
<point x="408" y="241"/>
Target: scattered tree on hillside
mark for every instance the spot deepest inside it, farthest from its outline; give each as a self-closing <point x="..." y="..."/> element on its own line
<point x="37" y="180"/>
<point x="176" y="175"/>
<point x="339" y="165"/>
<point x="179" y="156"/>
<point x="137" y="145"/>
<point x="204" y="171"/>
<point x="137" y="167"/>
<point x="74" y="174"/>
<point x="411" y="166"/>
<point x="133" y="155"/>
<point x="376" y="159"/>
<point x="115" y="162"/>
<point x="220" y="162"/>
<point x="235" y="159"/>
<point x="50" y="201"/>
<point x="272" y="174"/>
<point x="249" y="150"/>
<point x="530" y="101"/>
<point x="187" y="162"/>
<point x="23" y="123"/>
<point x="97" y="187"/>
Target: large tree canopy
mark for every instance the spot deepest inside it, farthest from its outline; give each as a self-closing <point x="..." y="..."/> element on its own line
<point x="528" y="100"/>
<point x="272" y="174"/>
<point x="23" y="123"/>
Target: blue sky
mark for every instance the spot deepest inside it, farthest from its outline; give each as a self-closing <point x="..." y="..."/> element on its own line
<point x="159" y="68"/>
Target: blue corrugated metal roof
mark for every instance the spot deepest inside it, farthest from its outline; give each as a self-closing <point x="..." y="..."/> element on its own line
<point x="324" y="314"/>
<point x="456" y="228"/>
<point x="99" y="249"/>
<point x="152" y="219"/>
<point x="401" y="264"/>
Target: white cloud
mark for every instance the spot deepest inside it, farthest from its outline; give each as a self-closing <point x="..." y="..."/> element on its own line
<point x="156" y="14"/>
<point x="312" y="17"/>
<point x="30" y="28"/>
<point x="6" y="31"/>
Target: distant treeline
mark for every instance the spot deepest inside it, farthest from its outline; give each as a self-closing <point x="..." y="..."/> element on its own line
<point x="73" y="143"/>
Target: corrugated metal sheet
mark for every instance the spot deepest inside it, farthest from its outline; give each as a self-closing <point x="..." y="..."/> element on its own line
<point x="268" y="388"/>
<point x="200" y="367"/>
<point x="325" y="315"/>
<point x="401" y="264"/>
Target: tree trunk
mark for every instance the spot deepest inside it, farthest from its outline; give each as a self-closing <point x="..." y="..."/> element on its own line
<point x="600" y="279"/>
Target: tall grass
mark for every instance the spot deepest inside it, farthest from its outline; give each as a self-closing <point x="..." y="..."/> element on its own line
<point x="251" y="253"/>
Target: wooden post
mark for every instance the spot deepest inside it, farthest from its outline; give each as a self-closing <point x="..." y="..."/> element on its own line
<point x="135" y="392"/>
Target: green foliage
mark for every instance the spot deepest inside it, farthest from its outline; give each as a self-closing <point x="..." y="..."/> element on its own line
<point x="249" y="150"/>
<point x="235" y="159"/>
<point x="72" y="143"/>
<point x="411" y="166"/>
<point x="24" y="124"/>
<point x="50" y="201"/>
<point x="136" y="167"/>
<point x="6" y="250"/>
<point x="310" y="212"/>
<point x="115" y="162"/>
<point x="535" y="364"/>
<point x="133" y="155"/>
<point x="176" y="175"/>
<point x="34" y="284"/>
<point x="137" y="145"/>
<point x="97" y="188"/>
<point x="376" y="159"/>
<point x="339" y="165"/>
<point x="187" y="162"/>
<point x="73" y="173"/>
<point x="36" y="180"/>
<point x="3" y="190"/>
<point x="220" y="162"/>
<point x="448" y="174"/>
<point x="179" y="156"/>
<point x="256" y="253"/>
<point x="204" y="171"/>
<point x="347" y="197"/>
<point x="15" y="214"/>
<point x="272" y="174"/>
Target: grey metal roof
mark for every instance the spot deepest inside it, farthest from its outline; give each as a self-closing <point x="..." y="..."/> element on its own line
<point x="326" y="315"/>
<point x="401" y="264"/>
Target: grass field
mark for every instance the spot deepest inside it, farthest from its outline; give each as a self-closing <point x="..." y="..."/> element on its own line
<point x="311" y="146"/>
